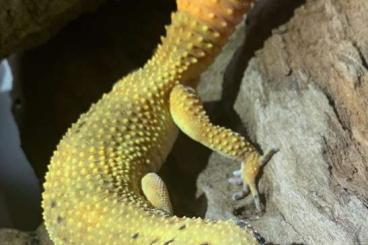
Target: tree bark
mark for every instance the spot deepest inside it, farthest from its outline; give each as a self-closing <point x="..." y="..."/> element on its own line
<point x="305" y="92"/>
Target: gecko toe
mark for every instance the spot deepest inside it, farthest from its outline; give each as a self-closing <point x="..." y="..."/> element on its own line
<point x="235" y="180"/>
<point x="238" y="196"/>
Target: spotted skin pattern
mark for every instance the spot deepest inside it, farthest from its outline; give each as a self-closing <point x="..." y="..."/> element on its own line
<point x="101" y="186"/>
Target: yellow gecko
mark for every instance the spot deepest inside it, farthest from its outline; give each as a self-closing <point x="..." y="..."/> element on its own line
<point x="101" y="186"/>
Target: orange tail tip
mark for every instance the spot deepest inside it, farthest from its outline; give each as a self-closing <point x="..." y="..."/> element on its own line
<point x="221" y="15"/>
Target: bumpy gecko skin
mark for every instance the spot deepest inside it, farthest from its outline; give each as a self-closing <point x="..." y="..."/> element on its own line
<point x="101" y="186"/>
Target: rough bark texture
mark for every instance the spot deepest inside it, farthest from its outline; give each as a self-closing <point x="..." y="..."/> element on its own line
<point x="294" y="79"/>
<point x="305" y="93"/>
<point x="27" y="23"/>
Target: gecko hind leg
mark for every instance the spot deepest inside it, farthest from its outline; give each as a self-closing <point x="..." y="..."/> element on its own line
<point x="188" y="114"/>
<point x="155" y="190"/>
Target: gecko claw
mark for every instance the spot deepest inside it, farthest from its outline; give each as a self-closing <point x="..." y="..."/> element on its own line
<point x="238" y="196"/>
<point x="258" y="204"/>
<point x="267" y="157"/>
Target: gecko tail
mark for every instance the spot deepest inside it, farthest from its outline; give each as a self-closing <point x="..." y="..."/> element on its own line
<point x="198" y="31"/>
<point x="220" y="15"/>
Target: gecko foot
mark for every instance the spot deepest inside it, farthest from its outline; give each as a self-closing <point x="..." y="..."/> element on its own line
<point x="247" y="175"/>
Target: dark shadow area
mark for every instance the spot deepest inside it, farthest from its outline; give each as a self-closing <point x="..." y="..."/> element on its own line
<point x="60" y="80"/>
<point x="184" y="163"/>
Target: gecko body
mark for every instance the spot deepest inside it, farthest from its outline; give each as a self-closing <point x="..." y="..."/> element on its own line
<point x="101" y="186"/>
